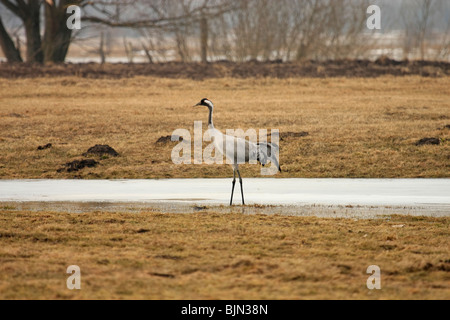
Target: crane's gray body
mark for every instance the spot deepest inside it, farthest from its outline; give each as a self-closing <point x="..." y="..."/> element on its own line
<point x="238" y="150"/>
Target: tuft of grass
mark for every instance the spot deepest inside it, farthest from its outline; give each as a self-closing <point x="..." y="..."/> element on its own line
<point x="209" y="255"/>
<point x="7" y="207"/>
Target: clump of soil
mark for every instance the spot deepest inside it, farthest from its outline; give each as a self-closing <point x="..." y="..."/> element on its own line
<point x="48" y="145"/>
<point x="97" y="150"/>
<point x="100" y="150"/>
<point x="386" y="61"/>
<point x="77" y="165"/>
<point x="167" y="139"/>
<point x="425" y="141"/>
<point x="285" y="135"/>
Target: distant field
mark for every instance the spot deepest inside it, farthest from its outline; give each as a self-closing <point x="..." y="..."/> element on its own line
<point x="330" y="127"/>
<point x="241" y="70"/>
<point x="357" y="127"/>
<point x="220" y="256"/>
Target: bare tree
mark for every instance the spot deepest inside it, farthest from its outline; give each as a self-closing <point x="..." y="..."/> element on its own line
<point x="204" y="38"/>
<point x="147" y="52"/>
<point x="191" y="30"/>
<point x="311" y="23"/>
<point x="298" y="29"/>
<point x="171" y="16"/>
<point x="219" y="42"/>
<point x="258" y="29"/>
<point x="344" y="26"/>
<point x="180" y="19"/>
<point x="104" y="48"/>
<point x="443" y="47"/>
<point x="55" y="42"/>
<point x="12" y="52"/>
<point x="29" y="12"/>
<point x="57" y="36"/>
<point x="154" y="44"/>
<point x="129" y="49"/>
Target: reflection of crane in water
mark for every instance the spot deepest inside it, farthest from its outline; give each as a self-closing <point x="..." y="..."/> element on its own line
<point x="263" y="152"/>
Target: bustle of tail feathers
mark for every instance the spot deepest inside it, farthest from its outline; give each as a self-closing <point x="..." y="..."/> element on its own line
<point x="265" y="152"/>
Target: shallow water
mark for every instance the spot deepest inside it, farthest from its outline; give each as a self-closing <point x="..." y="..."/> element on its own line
<point x="320" y="197"/>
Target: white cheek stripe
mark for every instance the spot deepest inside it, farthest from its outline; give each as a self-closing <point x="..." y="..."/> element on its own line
<point x="209" y="103"/>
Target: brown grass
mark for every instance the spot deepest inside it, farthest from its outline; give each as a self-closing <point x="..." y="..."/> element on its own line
<point x="357" y="127"/>
<point x="220" y="256"/>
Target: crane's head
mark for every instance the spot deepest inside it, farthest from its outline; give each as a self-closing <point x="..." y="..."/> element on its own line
<point x="205" y="102"/>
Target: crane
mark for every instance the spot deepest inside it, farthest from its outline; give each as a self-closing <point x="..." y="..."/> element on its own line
<point x="264" y="152"/>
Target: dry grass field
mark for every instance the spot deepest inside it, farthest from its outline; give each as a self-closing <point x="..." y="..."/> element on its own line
<point x="220" y="256"/>
<point x="358" y="127"/>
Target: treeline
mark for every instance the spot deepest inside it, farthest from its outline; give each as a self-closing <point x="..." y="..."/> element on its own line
<point x="235" y="30"/>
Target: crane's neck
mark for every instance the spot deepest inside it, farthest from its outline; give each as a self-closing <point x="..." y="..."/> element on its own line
<point x="210" y="120"/>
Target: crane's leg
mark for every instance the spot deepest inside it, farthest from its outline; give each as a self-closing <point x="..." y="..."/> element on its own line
<point x="242" y="190"/>
<point x="232" y="188"/>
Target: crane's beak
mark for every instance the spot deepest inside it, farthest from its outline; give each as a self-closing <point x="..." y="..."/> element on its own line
<point x="198" y="104"/>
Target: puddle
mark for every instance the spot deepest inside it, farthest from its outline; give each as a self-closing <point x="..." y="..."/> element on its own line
<point x="359" y="198"/>
<point x="325" y="211"/>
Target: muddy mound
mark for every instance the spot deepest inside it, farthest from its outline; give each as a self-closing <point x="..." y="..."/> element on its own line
<point x="425" y="141"/>
<point x="101" y="150"/>
<point x="77" y="165"/>
<point x="97" y="150"/>
<point x="386" y="61"/>
<point x="167" y="139"/>
<point x="48" y="145"/>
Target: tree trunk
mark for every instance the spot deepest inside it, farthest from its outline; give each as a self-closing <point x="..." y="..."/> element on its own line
<point x="101" y="49"/>
<point x="204" y="39"/>
<point x="57" y="36"/>
<point x="147" y="53"/>
<point x="32" y="31"/>
<point x="12" y="54"/>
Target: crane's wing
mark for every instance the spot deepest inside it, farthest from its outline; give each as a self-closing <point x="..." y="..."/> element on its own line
<point x="268" y="152"/>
